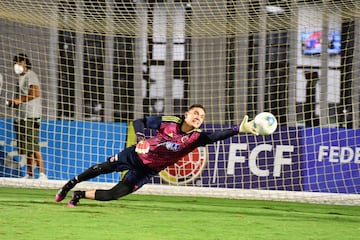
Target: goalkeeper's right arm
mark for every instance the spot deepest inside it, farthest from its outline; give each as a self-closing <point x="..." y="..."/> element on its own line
<point x="140" y="124"/>
<point x="211" y="137"/>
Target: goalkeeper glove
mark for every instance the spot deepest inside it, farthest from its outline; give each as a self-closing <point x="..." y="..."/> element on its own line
<point x="142" y="145"/>
<point x="247" y="126"/>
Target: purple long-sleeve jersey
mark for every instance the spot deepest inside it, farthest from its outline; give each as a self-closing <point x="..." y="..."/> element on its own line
<point x="170" y="144"/>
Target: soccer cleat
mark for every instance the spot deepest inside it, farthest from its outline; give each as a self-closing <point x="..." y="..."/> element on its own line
<point x="60" y="195"/>
<point x="27" y="176"/>
<point x="75" y="198"/>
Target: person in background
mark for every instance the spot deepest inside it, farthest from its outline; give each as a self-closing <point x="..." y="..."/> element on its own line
<point x="174" y="139"/>
<point x="27" y="124"/>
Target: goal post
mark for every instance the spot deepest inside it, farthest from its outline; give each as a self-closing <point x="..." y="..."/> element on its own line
<point x="102" y="64"/>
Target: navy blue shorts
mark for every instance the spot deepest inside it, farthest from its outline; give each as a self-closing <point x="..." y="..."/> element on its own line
<point x="132" y="169"/>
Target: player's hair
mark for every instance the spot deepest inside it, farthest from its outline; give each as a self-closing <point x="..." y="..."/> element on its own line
<point x="22" y="57"/>
<point x="198" y="106"/>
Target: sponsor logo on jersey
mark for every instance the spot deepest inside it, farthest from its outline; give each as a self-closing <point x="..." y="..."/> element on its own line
<point x="170" y="146"/>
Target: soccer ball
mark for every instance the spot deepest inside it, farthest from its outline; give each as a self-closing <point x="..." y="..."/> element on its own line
<point x="265" y="123"/>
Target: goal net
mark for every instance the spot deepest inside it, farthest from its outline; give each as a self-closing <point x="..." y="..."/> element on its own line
<point x="102" y="64"/>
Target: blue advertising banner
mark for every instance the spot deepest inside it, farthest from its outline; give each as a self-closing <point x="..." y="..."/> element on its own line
<point x="292" y="159"/>
<point x="247" y="161"/>
<point x="69" y="147"/>
<point x="331" y="160"/>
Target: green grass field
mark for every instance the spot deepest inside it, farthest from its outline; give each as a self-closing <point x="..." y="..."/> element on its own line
<point x="33" y="214"/>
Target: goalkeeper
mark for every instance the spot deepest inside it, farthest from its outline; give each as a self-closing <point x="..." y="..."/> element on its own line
<point x="175" y="138"/>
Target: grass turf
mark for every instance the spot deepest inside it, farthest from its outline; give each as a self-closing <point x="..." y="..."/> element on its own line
<point x="33" y="214"/>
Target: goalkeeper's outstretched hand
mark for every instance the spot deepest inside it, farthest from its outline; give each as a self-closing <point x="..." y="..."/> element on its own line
<point x="142" y="147"/>
<point x="247" y="126"/>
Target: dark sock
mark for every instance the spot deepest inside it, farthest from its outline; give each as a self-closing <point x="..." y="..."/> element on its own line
<point x="70" y="184"/>
<point x="80" y="194"/>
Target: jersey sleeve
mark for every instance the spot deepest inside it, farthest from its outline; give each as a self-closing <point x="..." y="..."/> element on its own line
<point x="211" y="137"/>
<point x="151" y="122"/>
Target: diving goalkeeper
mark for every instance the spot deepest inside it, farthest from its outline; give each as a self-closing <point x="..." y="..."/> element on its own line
<point x="174" y="139"/>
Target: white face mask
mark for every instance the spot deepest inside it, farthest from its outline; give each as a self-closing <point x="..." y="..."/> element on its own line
<point x="18" y="69"/>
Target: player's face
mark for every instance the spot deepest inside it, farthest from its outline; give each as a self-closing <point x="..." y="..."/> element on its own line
<point x="195" y="117"/>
